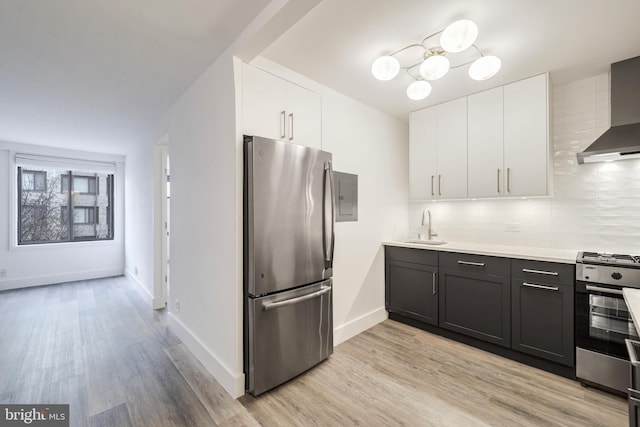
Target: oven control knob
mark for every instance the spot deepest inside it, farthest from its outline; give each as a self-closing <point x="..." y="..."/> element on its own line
<point x="616" y="275"/>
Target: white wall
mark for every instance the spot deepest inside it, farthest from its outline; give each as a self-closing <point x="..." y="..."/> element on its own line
<point x="374" y="146"/>
<point x="205" y="216"/>
<point x="594" y="206"/>
<point x="36" y="265"/>
<point x="139" y="215"/>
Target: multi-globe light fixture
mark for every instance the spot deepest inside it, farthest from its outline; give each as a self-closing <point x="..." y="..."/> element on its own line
<point x="434" y="63"/>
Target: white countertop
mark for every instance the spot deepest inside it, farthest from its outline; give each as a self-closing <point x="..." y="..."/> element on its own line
<point x="567" y="256"/>
<point x="632" y="298"/>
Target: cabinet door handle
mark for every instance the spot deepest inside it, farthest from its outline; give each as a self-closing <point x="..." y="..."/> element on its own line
<point x="290" y="126"/>
<point x="435" y="282"/>
<point x="498" y="181"/>
<point x="634" y="401"/>
<point x="508" y="180"/>
<point x="432" y="193"/>
<point x="547" y="273"/>
<point x="283" y="119"/>
<point x="532" y="285"/>
<point x="439" y="185"/>
<point x="475" y="264"/>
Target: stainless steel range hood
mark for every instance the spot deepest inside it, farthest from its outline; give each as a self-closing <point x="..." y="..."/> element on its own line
<point x="622" y="140"/>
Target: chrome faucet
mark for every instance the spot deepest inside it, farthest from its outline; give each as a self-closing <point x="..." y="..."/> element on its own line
<point x="430" y="233"/>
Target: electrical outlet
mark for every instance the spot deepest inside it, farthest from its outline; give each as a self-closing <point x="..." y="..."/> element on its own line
<point x="136" y="270"/>
<point x="3" y="273"/>
<point x="177" y="306"/>
<point x="513" y="227"/>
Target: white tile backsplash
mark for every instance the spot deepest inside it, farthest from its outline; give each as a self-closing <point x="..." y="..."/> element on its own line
<point x="594" y="206"/>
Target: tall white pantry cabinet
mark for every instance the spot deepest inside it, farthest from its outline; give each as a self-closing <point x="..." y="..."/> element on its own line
<point x="505" y="151"/>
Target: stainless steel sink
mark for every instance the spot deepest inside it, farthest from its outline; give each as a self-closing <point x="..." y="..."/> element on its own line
<point x="426" y="242"/>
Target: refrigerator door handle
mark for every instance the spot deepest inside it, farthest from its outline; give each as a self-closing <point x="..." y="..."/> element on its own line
<point x="329" y="235"/>
<point x="272" y="305"/>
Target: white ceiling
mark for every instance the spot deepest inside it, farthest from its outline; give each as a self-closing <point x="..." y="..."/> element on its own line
<point x="337" y="41"/>
<point x="98" y="74"/>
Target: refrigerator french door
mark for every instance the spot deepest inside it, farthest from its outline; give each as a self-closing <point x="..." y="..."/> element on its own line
<point x="288" y="259"/>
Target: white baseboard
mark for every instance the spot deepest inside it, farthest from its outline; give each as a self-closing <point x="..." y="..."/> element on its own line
<point x="155" y="302"/>
<point x="53" y="279"/>
<point x="140" y="287"/>
<point x="232" y="383"/>
<point x="352" y="328"/>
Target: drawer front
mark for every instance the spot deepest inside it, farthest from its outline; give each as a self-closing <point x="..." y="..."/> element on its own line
<point x="417" y="256"/>
<point x="545" y="272"/>
<point x="475" y="263"/>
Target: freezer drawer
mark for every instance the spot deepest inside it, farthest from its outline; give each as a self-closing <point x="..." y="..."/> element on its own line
<point x="288" y="333"/>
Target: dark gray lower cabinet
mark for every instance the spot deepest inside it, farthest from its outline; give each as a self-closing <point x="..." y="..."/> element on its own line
<point x="411" y="287"/>
<point x="543" y="320"/>
<point x="476" y="304"/>
<point x="521" y="305"/>
<point x="413" y="291"/>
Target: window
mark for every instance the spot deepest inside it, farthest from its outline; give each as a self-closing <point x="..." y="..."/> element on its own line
<point x="44" y="201"/>
<point x="81" y="184"/>
<point x="81" y="214"/>
<point x="34" y="181"/>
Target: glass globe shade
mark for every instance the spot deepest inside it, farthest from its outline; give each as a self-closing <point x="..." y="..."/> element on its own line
<point x="385" y="68"/>
<point x="434" y="67"/>
<point x="485" y="67"/>
<point x="418" y="90"/>
<point x="458" y="36"/>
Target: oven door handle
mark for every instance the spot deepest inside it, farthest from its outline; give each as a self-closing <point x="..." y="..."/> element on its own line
<point x="605" y="290"/>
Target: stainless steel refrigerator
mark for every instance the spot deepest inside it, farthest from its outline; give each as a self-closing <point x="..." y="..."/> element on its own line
<point x="288" y="259"/>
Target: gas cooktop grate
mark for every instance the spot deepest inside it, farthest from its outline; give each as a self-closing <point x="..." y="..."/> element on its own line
<point x="610" y="258"/>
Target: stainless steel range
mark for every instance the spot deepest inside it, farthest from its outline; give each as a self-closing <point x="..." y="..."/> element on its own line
<point x="602" y="319"/>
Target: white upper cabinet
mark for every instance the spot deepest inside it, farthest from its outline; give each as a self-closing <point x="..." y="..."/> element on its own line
<point x="485" y="144"/>
<point x="423" y="151"/>
<point x="264" y="103"/>
<point x="526" y="137"/>
<point x="490" y="144"/>
<point x="452" y="149"/>
<point x="438" y="151"/>
<point x="275" y="108"/>
<point x="304" y="116"/>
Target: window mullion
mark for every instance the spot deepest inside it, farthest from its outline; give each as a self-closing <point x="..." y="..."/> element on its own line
<point x="70" y="208"/>
<point x="111" y="204"/>
<point x="95" y="204"/>
<point x="19" y="221"/>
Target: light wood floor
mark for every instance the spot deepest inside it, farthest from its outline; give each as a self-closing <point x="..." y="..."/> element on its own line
<point x="99" y="347"/>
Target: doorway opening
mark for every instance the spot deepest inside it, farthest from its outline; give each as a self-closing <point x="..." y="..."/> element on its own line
<point x="162" y="227"/>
